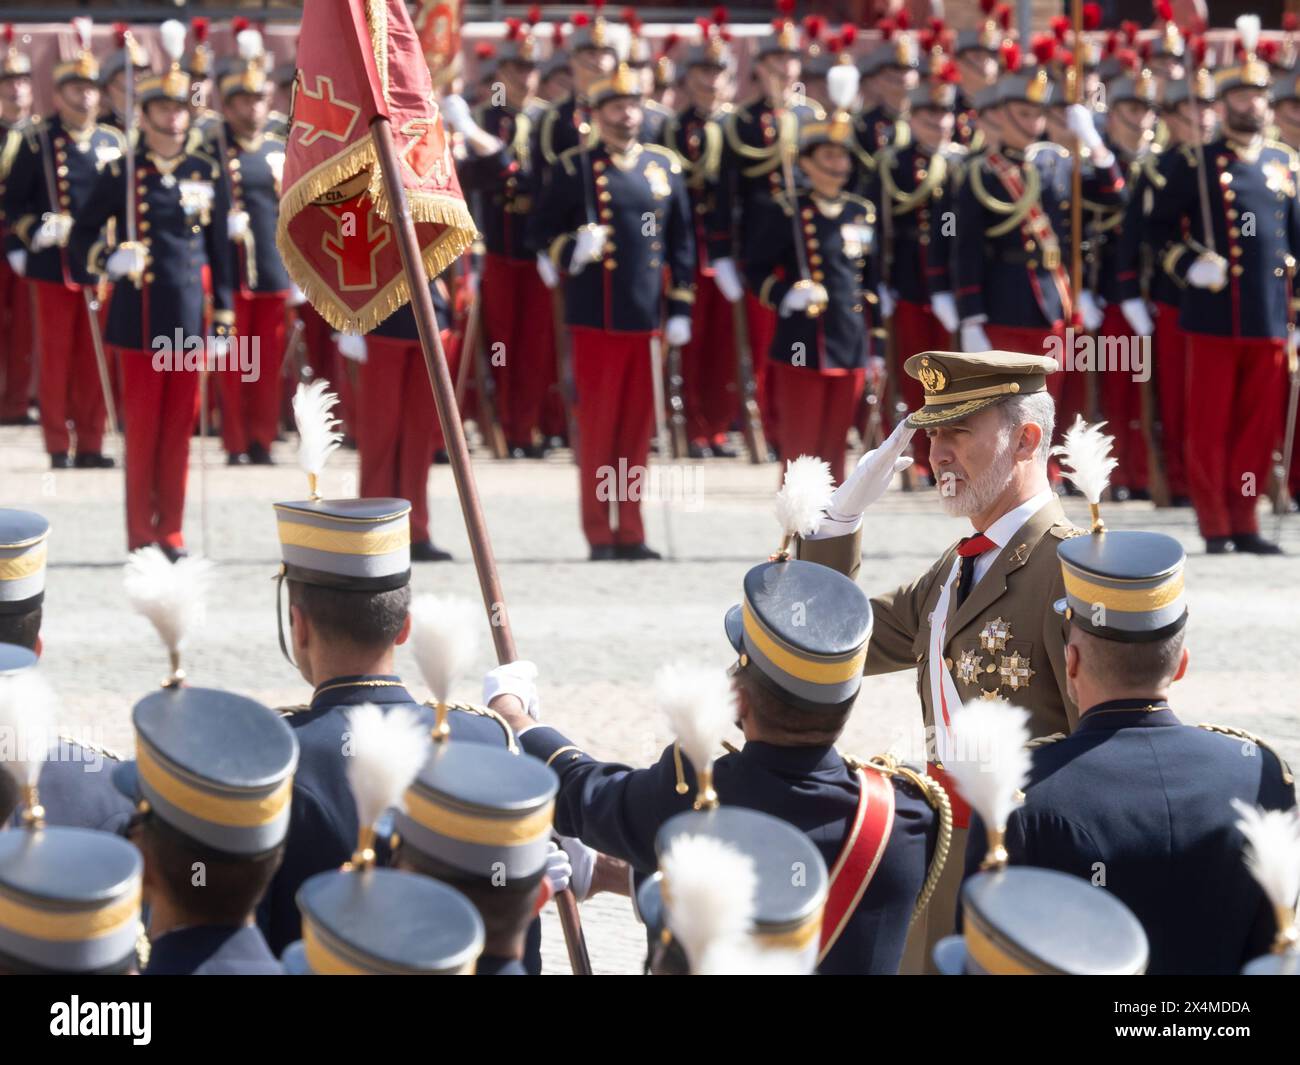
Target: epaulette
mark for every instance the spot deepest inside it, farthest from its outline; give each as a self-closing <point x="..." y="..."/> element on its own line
<point x="655" y="105"/>
<point x="862" y="201"/>
<point x="203" y="156"/>
<point x="1039" y="147"/>
<point x="117" y="134"/>
<point x="484" y="711"/>
<point x="1250" y="737"/>
<point x="1066" y="531"/>
<point x="1046" y="741"/>
<point x="289" y="711"/>
<point x="565" y="158"/>
<point x="932" y="791"/>
<point x="1293" y="158"/>
<point x="106" y="752"/>
<point x="667" y="153"/>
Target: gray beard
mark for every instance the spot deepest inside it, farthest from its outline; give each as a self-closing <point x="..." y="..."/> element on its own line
<point x="980" y="493"/>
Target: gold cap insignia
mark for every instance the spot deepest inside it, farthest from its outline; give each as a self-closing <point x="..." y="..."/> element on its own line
<point x="1036" y="91"/>
<point x="932" y="376"/>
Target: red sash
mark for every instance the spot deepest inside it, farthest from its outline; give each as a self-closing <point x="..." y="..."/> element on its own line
<point x="1036" y="224"/>
<point x="860" y="856"/>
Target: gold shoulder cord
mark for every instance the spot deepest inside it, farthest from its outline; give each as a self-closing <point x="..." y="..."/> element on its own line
<point x="106" y="752"/>
<point x="906" y="202"/>
<point x="519" y="142"/>
<point x="1017" y="211"/>
<point x="484" y="711"/>
<point x="1045" y="741"/>
<point x="938" y="799"/>
<point x="1250" y="737"/>
<point x="289" y="711"/>
<point x="546" y="136"/>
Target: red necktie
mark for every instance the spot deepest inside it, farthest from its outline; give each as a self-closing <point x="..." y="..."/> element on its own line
<point x="969" y="550"/>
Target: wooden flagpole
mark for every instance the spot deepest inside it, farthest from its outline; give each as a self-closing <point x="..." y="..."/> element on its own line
<point x="444" y="396"/>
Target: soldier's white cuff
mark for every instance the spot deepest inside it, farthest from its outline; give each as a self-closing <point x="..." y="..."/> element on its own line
<point x="832" y="527"/>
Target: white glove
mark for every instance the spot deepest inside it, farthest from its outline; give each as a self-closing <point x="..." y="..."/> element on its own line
<point x="797" y="299"/>
<point x="127" y="261"/>
<point x="559" y="872"/>
<point x="17" y="261"/>
<point x="297" y="297"/>
<point x="944" y="307"/>
<point x="236" y="224"/>
<point x="869" y="481"/>
<point x="52" y="232"/>
<point x="1136" y="314"/>
<point x="677" y="331"/>
<point x="456" y="114"/>
<point x="888" y="301"/>
<point x="727" y="278"/>
<point x="973" y="337"/>
<point x="352" y="346"/>
<point x="517" y="678"/>
<point x="1081" y="124"/>
<point x="1092" y="313"/>
<point x="218" y="349"/>
<point x="546" y="270"/>
<point x="1208" y="272"/>
<point x="1294" y="339"/>
<point x="582" y="862"/>
<point x="588" y="247"/>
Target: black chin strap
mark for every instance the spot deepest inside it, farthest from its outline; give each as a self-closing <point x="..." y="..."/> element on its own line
<point x="279" y="617"/>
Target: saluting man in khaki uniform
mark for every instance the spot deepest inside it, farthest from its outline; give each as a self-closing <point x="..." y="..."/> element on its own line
<point x="979" y="622"/>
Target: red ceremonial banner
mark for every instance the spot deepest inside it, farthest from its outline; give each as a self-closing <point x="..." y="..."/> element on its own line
<point x="438" y="24"/>
<point x="359" y="59"/>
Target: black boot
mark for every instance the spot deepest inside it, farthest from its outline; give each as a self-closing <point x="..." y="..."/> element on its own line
<point x="635" y="553"/>
<point x="259" y="455"/>
<point x="92" y="460"/>
<point x="424" y="551"/>
<point x="237" y="458"/>
<point x="1218" y="545"/>
<point x="602" y="552"/>
<point x="1254" y="544"/>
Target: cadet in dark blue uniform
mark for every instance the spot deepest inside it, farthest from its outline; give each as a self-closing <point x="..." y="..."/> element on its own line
<point x="51" y="183"/>
<point x="796" y="684"/>
<point x="1134" y="800"/>
<point x="212" y="780"/>
<point x="813" y="260"/>
<point x="1236" y="305"/>
<point x="76" y="789"/>
<point x="891" y="72"/>
<point x="347" y="563"/>
<point x="157" y="317"/>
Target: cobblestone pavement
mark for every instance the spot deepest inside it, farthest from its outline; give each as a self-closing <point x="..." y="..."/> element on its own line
<point x="598" y="632"/>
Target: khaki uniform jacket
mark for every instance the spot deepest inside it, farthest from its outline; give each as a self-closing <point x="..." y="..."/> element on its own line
<point x="1005" y="640"/>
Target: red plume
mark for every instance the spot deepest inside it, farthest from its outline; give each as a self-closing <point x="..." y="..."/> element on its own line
<point x="1128" y="59"/>
<point x="703" y="25"/>
<point x="1200" y="49"/>
<point x="632" y="19"/>
<point x="581" y="19"/>
<point x="1065" y="57"/>
<point x="483" y="50"/>
<point x="1091" y="16"/>
<point x="1290" y="22"/>
<point x="599" y="6"/>
<point x="987" y="6"/>
<point x="1164" y="10"/>
<point x="200" y="27"/>
<point x="786" y="7"/>
<point x="926" y="39"/>
<point x="936" y="24"/>
<point x="719" y="15"/>
<point x="513" y="29"/>
<point x="1267" y="50"/>
<point x="1044" y="47"/>
<point x="669" y="43"/>
<point x="887" y="29"/>
<point x="1145" y="50"/>
<point x="1112" y="43"/>
<point x="1004" y="17"/>
<point x="1238" y="49"/>
<point x="1010" y="54"/>
<point x="1129" y="29"/>
<point x="238" y="24"/>
<point x="120" y="30"/>
<point x="848" y="35"/>
<point x="903" y="19"/>
<point x="557" y="36"/>
<point x="949" y="74"/>
<point x="813" y="26"/>
<point x="1060" y="27"/>
<point x="534" y="15"/>
<point x="9" y="33"/>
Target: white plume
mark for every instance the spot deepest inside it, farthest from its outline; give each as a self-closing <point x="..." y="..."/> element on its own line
<point x="444" y="636"/>
<point x="84" y="27"/>
<point x="804" y="495"/>
<point x="709" y="889"/>
<point x="1248" y="27"/>
<point x="1086" y="450"/>
<point x="170" y="594"/>
<point x="747" y="958"/>
<point x="385" y="752"/>
<point x="249" y="43"/>
<point x="700" y="707"/>
<point x="992" y="763"/>
<point x="27" y="724"/>
<point x="318" y="436"/>
<point x="1272" y="851"/>
<point x="842" y="85"/>
<point x="172" y="35"/>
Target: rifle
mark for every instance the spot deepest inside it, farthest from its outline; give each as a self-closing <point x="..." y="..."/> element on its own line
<point x="677" y="405"/>
<point x="751" y="417"/>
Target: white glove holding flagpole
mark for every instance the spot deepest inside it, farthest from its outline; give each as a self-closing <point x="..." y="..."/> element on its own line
<point x="1092" y="313"/>
<point x="236" y="224"/>
<point x="352" y="346"/>
<point x="798" y="299"/>
<point x="944" y="307"/>
<point x="17" y="261"/>
<point x="1208" y="272"/>
<point x="297" y="297"/>
<point x="52" y="232"/>
<point x="869" y="481"/>
<point x="888" y="301"/>
<point x="546" y="270"/>
<point x="582" y="863"/>
<point x="1080" y="121"/>
<point x="588" y="247"/>
<point x="1136" y="314"/>
<point x="727" y="278"/>
<point x="517" y="678"/>
<point x="677" y="331"/>
<point x="126" y="261"/>
<point x="559" y="870"/>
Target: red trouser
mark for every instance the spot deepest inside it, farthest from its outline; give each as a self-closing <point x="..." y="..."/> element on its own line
<point x="762" y="329"/>
<point x="69" y="387"/>
<point x="325" y="361"/>
<point x="819" y="410"/>
<point x="1233" y="422"/>
<point x="915" y="329"/>
<point x="615" y="416"/>
<point x="16" y="360"/>
<point x="159" y="408"/>
<point x="709" y="365"/>
<point x="397" y="425"/>
<point x="1171" y="380"/>
<point x="250" y="409"/>
<point x="1121" y="407"/>
<point x="519" y="330"/>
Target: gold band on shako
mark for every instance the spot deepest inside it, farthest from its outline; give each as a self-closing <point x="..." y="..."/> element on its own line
<point x="623" y="82"/>
<point x="250" y="79"/>
<point x="1124" y="585"/>
<point x="351" y="544"/>
<point x="173" y="85"/>
<point x="23" y="549"/>
<point x="83" y="67"/>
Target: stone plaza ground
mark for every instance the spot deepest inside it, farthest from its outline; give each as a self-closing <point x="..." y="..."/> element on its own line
<point x="597" y="631"/>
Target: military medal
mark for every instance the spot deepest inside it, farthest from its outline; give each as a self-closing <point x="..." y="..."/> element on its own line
<point x="169" y="182"/>
<point x="1014" y="672"/>
<point x="994" y="635"/>
<point x="968" y="666"/>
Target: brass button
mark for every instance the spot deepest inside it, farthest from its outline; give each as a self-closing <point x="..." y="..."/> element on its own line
<point x="1278" y="271"/>
<point x="817" y="275"/>
<point x="144" y="225"/>
<point x="62" y="171"/>
<point x="149" y="278"/>
<point x="1229" y="195"/>
<point x="813" y="245"/>
<point x="144" y="207"/>
<point x="924" y="239"/>
<point x="655" y="245"/>
<point x="609" y="247"/>
<point x="610" y="264"/>
<point x="857" y="308"/>
<point x="807" y="212"/>
<point x="654" y="262"/>
<point x="1225" y="179"/>
<point x="810" y="229"/>
<point x="1235" y="252"/>
<point x="234" y="165"/>
<point x="606" y="196"/>
<point x="1032" y="264"/>
<point x="816" y="260"/>
<point x="1237" y="270"/>
<point x="1232" y="213"/>
<point x="989" y="668"/>
<point x="947" y="663"/>
<point x="1234" y="232"/>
